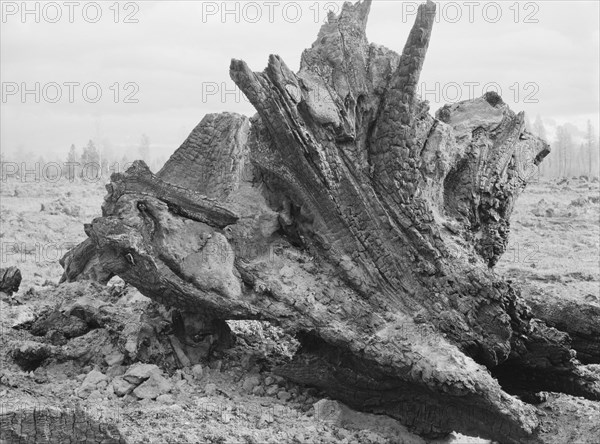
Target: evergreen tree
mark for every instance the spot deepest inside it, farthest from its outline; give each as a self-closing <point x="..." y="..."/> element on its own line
<point x="538" y="128"/>
<point x="564" y="142"/>
<point x="90" y="162"/>
<point x="106" y="158"/>
<point x="144" y="149"/>
<point x="590" y="145"/>
<point x="123" y="164"/>
<point x="72" y="165"/>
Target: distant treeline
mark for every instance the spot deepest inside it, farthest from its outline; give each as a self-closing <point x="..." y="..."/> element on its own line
<point x="88" y="163"/>
<point x="574" y="152"/>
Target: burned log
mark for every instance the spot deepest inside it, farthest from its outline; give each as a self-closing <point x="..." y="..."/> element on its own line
<point x="10" y="280"/>
<point x="86" y="265"/>
<point x="581" y="320"/>
<point x="348" y="215"/>
<point x="48" y="425"/>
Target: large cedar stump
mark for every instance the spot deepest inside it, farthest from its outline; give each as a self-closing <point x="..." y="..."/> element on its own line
<point x="346" y="214"/>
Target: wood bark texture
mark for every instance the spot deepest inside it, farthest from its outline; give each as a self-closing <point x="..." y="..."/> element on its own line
<point x="348" y="215"/>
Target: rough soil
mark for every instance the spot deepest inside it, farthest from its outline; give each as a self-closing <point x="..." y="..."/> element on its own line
<point x="235" y="397"/>
<point x="554" y="243"/>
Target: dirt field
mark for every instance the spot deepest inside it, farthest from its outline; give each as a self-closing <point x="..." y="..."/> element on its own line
<point x="554" y="248"/>
<point x="554" y="243"/>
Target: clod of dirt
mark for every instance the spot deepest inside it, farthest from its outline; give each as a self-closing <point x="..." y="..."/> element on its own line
<point x="29" y="355"/>
<point x="121" y="387"/>
<point x="17" y="316"/>
<point x="139" y="373"/>
<point x="61" y="206"/>
<point x="338" y="414"/>
<point x="579" y="202"/>
<point x="152" y="388"/>
<point x="10" y="280"/>
<point x="93" y="380"/>
<point x="54" y="320"/>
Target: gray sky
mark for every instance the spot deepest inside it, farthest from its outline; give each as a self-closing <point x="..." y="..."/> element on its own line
<point x="174" y="62"/>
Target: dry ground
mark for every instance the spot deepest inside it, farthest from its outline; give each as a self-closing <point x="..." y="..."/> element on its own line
<point x="554" y="243"/>
<point x="235" y="398"/>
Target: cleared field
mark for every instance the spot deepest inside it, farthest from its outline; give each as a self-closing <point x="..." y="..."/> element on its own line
<point x="554" y="249"/>
<point x="554" y="243"/>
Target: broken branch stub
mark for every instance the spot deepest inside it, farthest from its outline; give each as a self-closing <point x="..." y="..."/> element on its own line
<point x="10" y="280"/>
<point x="346" y="214"/>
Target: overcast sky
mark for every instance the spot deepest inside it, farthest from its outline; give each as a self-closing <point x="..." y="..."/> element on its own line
<point x="166" y="63"/>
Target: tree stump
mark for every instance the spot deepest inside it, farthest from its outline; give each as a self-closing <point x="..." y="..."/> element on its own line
<point x="346" y="214"/>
